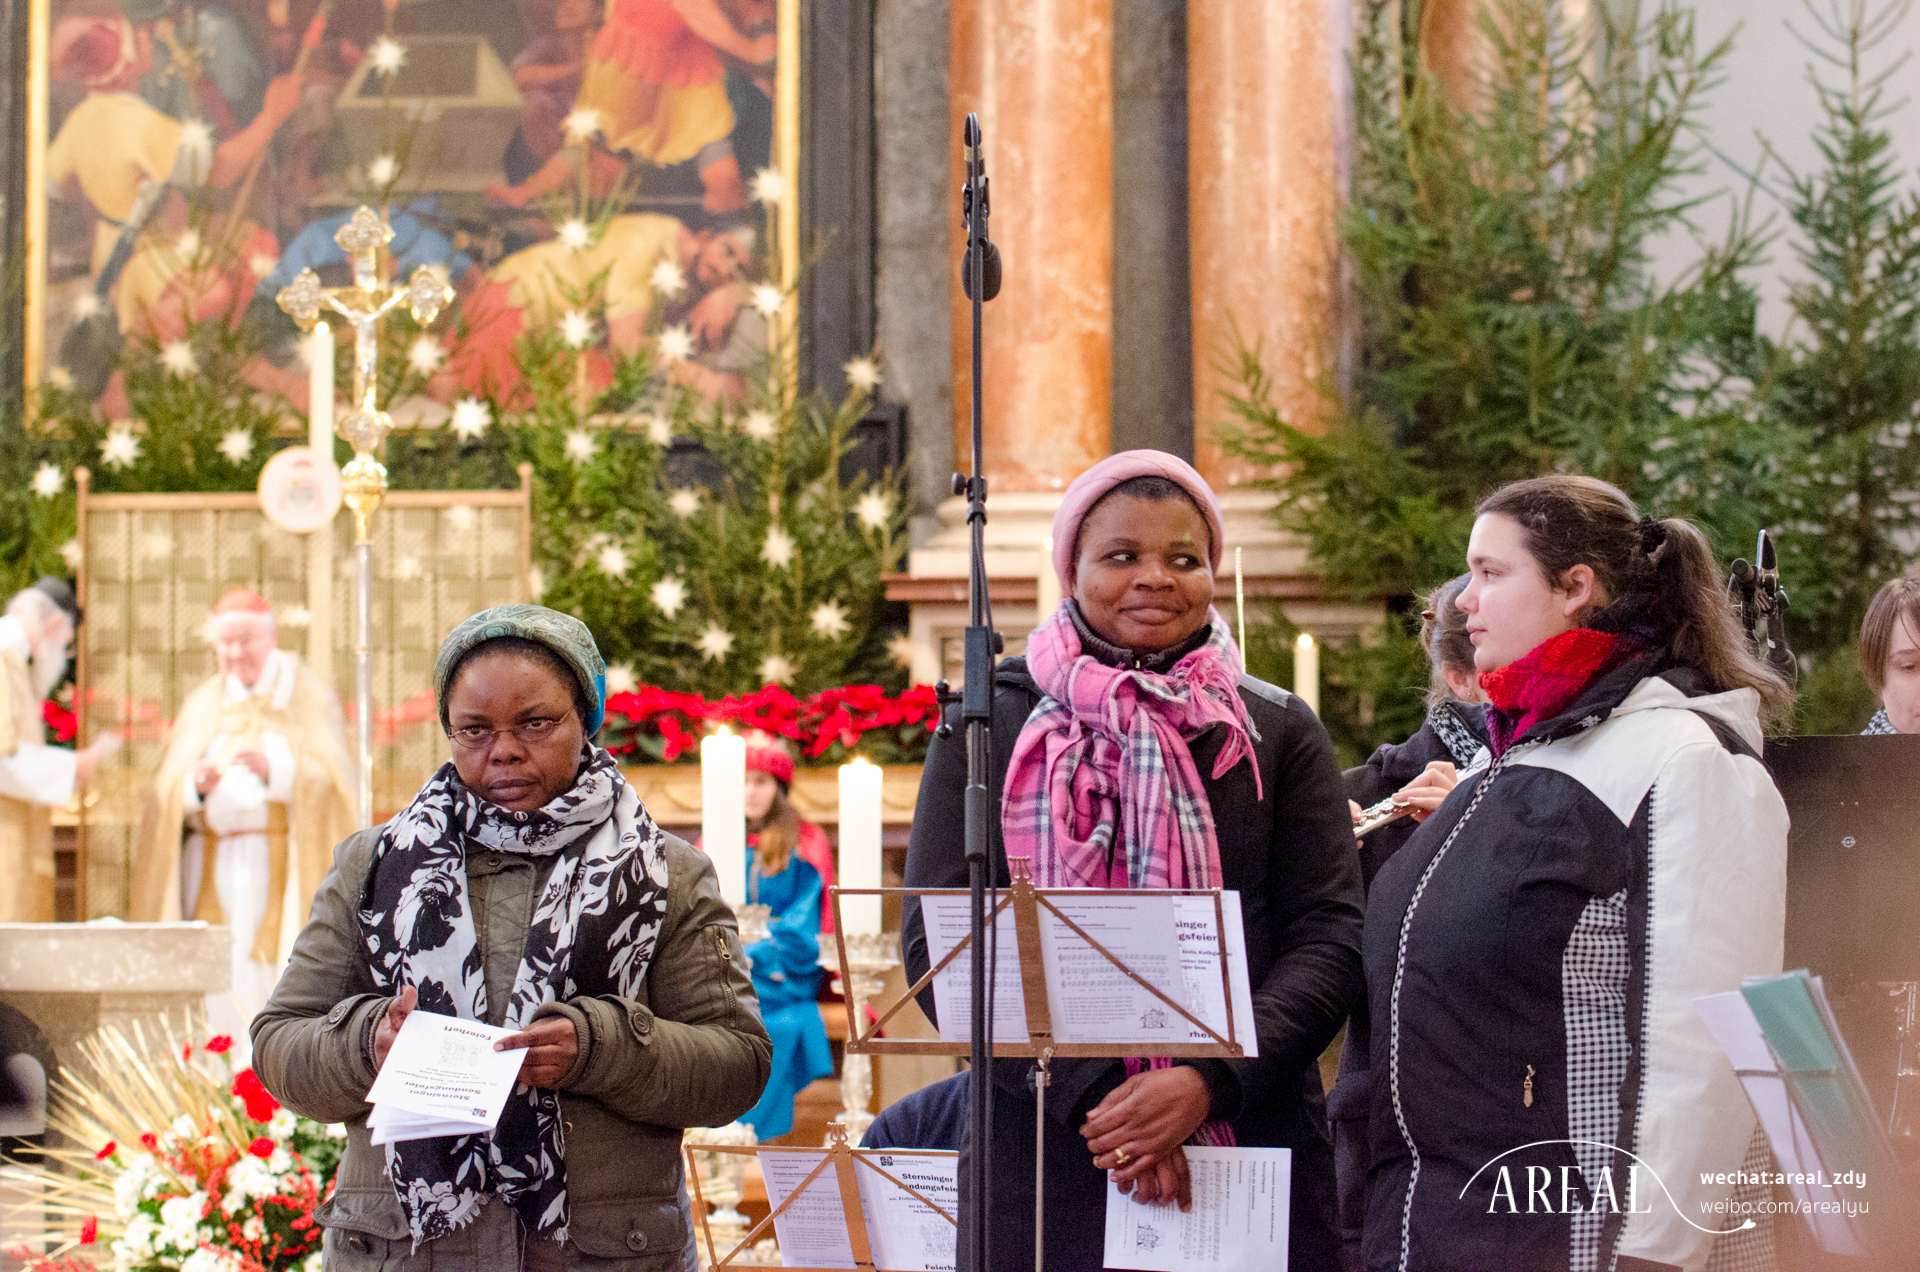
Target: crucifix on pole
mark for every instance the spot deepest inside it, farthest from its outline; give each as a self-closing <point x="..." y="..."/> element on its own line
<point x="364" y="426"/>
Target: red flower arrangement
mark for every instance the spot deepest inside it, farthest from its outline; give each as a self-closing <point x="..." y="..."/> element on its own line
<point x="664" y="725"/>
<point x="64" y="723"/>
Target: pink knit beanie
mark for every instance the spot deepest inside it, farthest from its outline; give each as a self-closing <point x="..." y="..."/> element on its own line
<point x="1089" y="487"/>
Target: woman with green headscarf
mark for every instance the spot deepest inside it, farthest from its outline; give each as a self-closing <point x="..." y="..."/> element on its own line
<point x="524" y="886"/>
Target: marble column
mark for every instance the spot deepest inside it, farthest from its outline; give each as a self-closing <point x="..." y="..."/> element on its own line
<point x="1040" y="76"/>
<point x="1268" y="108"/>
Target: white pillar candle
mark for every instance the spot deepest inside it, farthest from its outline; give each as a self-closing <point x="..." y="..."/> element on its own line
<point x="1306" y="671"/>
<point x="1049" y="595"/>
<point x="723" y="811"/>
<point x="320" y="389"/>
<point x="860" y="845"/>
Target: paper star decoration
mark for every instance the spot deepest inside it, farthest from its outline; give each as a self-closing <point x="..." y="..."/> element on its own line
<point x="382" y="170"/>
<point x="188" y="244"/>
<point x="668" y="278"/>
<point x="874" y="510"/>
<point x="471" y="419"/>
<point x="863" y="374"/>
<point x="462" y="517"/>
<point x="778" y="550"/>
<point x="86" y="305"/>
<point x="425" y="355"/>
<point x="829" y="619"/>
<point x="48" y="481"/>
<point x="715" y="643"/>
<point x="768" y="299"/>
<point x="775" y="669"/>
<point x="900" y="649"/>
<point x="575" y="234"/>
<point x="581" y="124"/>
<point x="177" y="357"/>
<point x="581" y="445"/>
<point x="676" y="344"/>
<point x="156" y="545"/>
<point x="669" y="595"/>
<point x="72" y="553"/>
<point x="260" y="264"/>
<point x="408" y="568"/>
<point x="620" y="678"/>
<point x="613" y="561"/>
<point x="237" y="445"/>
<point x="388" y="55"/>
<point x="769" y="186"/>
<point x="119" y="448"/>
<point x="576" y="329"/>
<point x="759" y="425"/>
<point x="685" y="501"/>
<point x="659" y="430"/>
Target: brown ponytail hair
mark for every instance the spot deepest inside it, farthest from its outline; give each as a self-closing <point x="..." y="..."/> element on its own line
<point x="779" y="833"/>
<point x="1571" y="520"/>
<point x="1443" y="634"/>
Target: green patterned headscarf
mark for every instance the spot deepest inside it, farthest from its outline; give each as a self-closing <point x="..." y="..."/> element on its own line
<point x="564" y="634"/>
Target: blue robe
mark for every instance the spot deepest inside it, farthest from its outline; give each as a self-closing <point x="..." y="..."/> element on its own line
<point x="786" y="976"/>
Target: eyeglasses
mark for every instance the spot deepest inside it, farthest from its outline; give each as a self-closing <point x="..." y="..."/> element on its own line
<point x="531" y="732"/>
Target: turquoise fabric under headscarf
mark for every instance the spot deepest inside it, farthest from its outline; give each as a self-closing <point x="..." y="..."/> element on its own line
<point x="564" y="634"/>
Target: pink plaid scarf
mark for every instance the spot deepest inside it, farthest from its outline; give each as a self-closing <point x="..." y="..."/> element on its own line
<point x="1106" y="752"/>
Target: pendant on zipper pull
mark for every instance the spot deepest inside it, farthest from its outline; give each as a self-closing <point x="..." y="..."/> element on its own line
<point x="1526" y="1089"/>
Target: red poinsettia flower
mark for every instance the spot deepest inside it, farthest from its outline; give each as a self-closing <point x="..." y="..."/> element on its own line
<point x="64" y="723"/>
<point x="90" y="1230"/>
<point x="260" y="1104"/>
<point x="261" y="1148"/>
<point x="220" y="1044"/>
<point x="106" y="1150"/>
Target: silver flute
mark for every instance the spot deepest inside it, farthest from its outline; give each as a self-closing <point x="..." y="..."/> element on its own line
<point x="1392" y="809"/>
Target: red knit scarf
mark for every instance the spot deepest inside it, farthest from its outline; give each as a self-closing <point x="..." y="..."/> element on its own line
<point x="1547" y="680"/>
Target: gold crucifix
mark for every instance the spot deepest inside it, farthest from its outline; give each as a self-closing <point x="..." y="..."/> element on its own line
<point x="365" y="426"/>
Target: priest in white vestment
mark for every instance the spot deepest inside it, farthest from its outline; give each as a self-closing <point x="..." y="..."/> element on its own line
<point x="35" y="779"/>
<point x="253" y="794"/>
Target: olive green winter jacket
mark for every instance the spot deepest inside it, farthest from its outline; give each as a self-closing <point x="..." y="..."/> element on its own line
<point x="690" y="1052"/>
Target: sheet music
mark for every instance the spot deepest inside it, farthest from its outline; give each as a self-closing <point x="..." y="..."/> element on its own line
<point x="812" y="1231"/>
<point x="1238" y="1222"/>
<point x="1169" y="941"/>
<point x="906" y="1236"/>
<point x="1730" y="1020"/>
<point x="442" y="1077"/>
<point x="1200" y="968"/>
<point x="948" y="922"/>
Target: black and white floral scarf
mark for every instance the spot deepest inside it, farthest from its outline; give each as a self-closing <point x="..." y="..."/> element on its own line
<point x="1879" y="725"/>
<point x="1452" y="725"/>
<point x="606" y="897"/>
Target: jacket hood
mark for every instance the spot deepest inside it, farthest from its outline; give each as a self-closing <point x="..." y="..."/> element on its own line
<point x="1738" y="709"/>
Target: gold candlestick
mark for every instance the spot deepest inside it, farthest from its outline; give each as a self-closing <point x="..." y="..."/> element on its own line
<point x="870" y="956"/>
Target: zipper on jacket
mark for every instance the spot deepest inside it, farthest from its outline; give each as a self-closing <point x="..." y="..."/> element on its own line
<point x="1526" y="1089"/>
<point x="726" y="970"/>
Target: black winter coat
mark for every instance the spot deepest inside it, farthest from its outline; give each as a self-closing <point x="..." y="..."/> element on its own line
<point x="1291" y="857"/>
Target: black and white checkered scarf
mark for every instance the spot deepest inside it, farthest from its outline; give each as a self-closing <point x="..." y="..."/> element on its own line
<point x="1880" y="724"/>
<point x="605" y="898"/>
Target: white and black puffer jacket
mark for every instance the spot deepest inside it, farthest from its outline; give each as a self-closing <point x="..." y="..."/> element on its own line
<point x="1532" y="958"/>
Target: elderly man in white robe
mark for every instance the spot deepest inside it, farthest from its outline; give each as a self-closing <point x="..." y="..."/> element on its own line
<point x="35" y="779"/>
<point x="257" y="776"/>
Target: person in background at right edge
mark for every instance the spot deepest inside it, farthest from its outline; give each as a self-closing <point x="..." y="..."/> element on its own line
<point x="1533" y="952"/>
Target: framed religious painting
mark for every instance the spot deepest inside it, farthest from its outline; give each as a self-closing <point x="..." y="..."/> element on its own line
<point x="622" y="160"/>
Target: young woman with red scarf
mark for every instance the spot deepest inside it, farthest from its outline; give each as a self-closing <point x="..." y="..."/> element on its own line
<point x="1130" y="749"/>
<point x="1533" y="953"/>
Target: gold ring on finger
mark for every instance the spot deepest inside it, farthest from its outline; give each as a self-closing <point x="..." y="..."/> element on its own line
<point x="1121" y="1157"/>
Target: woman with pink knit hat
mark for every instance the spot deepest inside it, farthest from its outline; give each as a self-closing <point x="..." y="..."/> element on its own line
<point x="1138" y="753"/>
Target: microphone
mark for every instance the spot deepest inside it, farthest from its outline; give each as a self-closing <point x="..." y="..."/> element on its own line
<point x="973" y="200"/>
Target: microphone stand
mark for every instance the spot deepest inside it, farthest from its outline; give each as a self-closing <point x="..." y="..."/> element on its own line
<point x="980" y="269"/>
